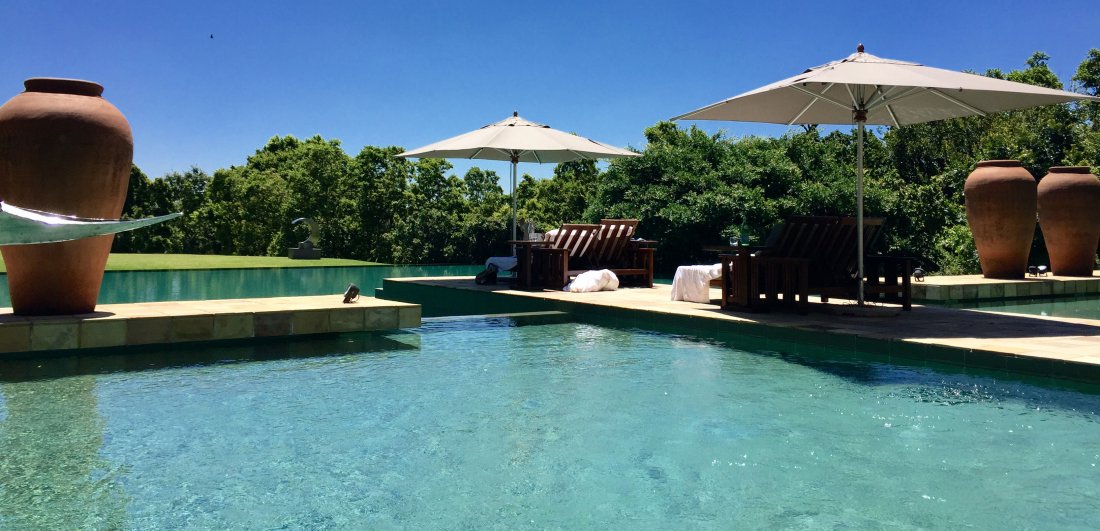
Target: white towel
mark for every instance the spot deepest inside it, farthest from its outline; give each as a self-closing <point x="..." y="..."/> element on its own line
<point x="589" y="281"/>
<point x="692" y="283"/>
<point x="503" y="263"/>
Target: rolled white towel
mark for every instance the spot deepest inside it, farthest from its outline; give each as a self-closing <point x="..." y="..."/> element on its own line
<point x="612" y="283"/>
<point x="589" y="281"/>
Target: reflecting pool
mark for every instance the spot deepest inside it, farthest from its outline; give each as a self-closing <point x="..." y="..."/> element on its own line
<point x="205" y="284"/>
<point x="1081" y="307"/>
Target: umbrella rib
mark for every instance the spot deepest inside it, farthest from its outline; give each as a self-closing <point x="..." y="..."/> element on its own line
<point x="958" y="102"/>
<point x="822" y="96"/>
<point x="885" y="100"/>
<point x="893" y="116"/>
<point x="808" y="105"/>
<point x="889" y="103"/>
<point x="881" y="97"/>
<point x="855" y="103"/>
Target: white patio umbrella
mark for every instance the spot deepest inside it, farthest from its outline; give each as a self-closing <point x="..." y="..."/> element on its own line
<point x="517" y="140"/>
<point x="866" y="89"/>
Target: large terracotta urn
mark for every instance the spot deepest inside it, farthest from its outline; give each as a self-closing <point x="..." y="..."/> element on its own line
<point x="63" y="149"/>
<point x="1069" y="214"/>
<point x="1000" y="208"/>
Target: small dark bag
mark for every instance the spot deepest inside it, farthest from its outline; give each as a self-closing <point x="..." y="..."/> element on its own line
<point x="489" y="276"/>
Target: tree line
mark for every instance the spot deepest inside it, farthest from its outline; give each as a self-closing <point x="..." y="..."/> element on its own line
<point x="688" y="188"/>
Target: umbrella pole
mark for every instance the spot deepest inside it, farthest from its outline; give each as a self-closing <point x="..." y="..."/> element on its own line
<point x="861" y="118"/>
<point x="515" y="161"/>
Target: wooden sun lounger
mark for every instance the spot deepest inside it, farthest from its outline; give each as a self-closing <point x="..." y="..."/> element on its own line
<point x="617" y="250"/>
<point x="584" y="247"/>
<point x="551" y="263"/>
<point x="812" y="255"/>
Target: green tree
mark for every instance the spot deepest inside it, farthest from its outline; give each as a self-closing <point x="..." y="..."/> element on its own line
<point x="429" y="232"/>
<point x="138" y="205"/>
<point x="1087" y="81"/>
<point x="175" y="192"/>
<point x="562" y="198"/>
<point x="486" y="217"/>
<point x="372" y="203"/>
<point x="688" y="188"/>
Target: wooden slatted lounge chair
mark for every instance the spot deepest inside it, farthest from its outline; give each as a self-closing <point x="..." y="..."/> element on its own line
<point x="615" y="235"/>
<point x="616" y="250"/>
<point x="611" y="247"/>
<point x="813" y="255"/>
<point x="886" y="278"/>
<point x="573" y="243"/>
<point x="760" y="278"/>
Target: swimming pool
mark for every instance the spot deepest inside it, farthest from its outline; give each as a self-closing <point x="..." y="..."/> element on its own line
<point x="543" y="422"/>
<point x="206" y="284"/>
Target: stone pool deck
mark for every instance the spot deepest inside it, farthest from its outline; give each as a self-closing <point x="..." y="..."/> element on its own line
<point x="976" y="288"/>
<point x="1046" y="345"/>
<point x="152" y="323"/>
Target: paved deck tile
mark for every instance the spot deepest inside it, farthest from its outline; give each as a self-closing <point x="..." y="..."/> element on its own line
<point x="189" y="321"/>
<point x="1039" y="337"/>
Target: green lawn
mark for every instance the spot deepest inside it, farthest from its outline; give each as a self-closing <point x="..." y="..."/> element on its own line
<point x="152" y="262"/>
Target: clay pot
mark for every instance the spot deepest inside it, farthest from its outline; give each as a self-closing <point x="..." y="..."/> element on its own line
<point x="1000" y="208"/>
<point x="63" y="149"/>
<point x="1069" y="214"/>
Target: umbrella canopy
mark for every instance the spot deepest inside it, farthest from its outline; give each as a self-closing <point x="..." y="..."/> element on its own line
<point x="890" y="92"/>
<point x="865" y="89"/>
<point x="523" y="140"/>
<point x="517" y="140"/>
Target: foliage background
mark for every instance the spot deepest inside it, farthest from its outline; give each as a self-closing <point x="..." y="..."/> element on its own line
<point x="688" y="188"/>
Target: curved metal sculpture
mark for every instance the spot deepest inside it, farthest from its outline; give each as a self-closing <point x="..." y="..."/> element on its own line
<point x="20" y="226"/>
<point x="314" y="237"/>
<point x="307" y="249"/>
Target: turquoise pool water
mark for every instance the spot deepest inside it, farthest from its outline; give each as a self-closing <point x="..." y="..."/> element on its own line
<point x="538" y="423"/>
<point x="1087" y="307"/>
<point x="204" y="284"/>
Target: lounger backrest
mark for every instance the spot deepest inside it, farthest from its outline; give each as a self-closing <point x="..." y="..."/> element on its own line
<point x="803" y="236"/>
<point x="615" y="235"/>
<point x="577" y="238"/>
<point x="841" y="257"/>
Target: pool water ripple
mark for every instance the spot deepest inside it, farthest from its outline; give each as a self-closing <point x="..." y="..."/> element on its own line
<point x="502" y="423"/>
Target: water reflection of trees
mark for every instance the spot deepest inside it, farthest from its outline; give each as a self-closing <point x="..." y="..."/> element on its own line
<point x="52" y="473"/>
<point x="204" y="284"/>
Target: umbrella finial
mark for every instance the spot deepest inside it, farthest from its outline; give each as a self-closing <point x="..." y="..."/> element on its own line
<point x="859" y="48"/>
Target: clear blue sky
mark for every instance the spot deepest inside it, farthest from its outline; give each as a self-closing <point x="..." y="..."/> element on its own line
<point x="411" y="73"/>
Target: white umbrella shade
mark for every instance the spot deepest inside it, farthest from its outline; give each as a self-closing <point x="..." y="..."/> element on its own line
<point x="865" y="89"/>
<point x="517" y="140"/>
<point x="891" y="92"/>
